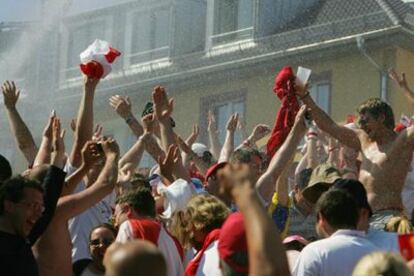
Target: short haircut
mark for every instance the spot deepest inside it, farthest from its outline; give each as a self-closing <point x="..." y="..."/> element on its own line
<point x="376" y="107"/>
<point x="139" y="180"/>
<point x="13" y="190"/>
<point x="108" y="226"/>
<point x="5" y="169"/>
<point x="302" y="178"/>
<point x="141" y="200"/>
<point x="339" y="209"/>
<point x="245" y="155"/>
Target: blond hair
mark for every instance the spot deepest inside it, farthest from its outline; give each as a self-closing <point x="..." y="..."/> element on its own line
<point x="203" y="212"/>
<point x="381" y="263"/>
<point x="399" y="224"/>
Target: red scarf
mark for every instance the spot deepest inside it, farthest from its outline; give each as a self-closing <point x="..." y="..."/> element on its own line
<point x="285" y="117"/>
<point x="191" y="269"/>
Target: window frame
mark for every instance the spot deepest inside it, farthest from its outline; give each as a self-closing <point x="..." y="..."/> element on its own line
<point x="129" y="34"/>
<point x="319" y="79"/>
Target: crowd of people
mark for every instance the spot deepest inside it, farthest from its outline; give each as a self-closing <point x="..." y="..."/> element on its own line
<point x="322" y="198"/>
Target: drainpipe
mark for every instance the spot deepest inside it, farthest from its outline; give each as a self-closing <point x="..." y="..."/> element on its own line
<point x="383" y="73"/>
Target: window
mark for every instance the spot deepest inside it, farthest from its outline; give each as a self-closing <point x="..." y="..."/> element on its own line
<point x="233" y="20"/>
<point x="223" y="106"/>
<point x="149" y="35"/>
<point x="79" y="38"/>
<point x="320" y="93"/>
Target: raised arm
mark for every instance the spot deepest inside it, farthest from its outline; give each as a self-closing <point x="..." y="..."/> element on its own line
<point x="84" y="124"/>
<point x="228" y="146"/>
<point x="190" y="141"/>
<point x="163" y="108"/>
<point x="402" y="83"/>
<point x="122" y="106"/>
<point x="311" y="152"/>
<point x="266" y="183"/>
<point x="259" y="131"/>
<point x="21" y="132"/>
<point x="52" y="182"/>
<point x="43" y="154"/>
<point x="72" y="205"/>
<point x="90" y="155"/>
<point x="325" y="123"/>
<point x="213" y="137"/>
<point x="201" y="165"/>
<point x="130" y="160"/>
<point x="266" y="253"/>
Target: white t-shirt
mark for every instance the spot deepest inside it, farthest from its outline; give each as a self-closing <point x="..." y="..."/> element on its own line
<point x="164" y="242"/>
<point x="336" y="255"/>
<point x="81" y="226"/>
<point x="209" y="264"/>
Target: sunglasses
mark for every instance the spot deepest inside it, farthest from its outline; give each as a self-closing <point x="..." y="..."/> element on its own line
<point x="97" y="242"/>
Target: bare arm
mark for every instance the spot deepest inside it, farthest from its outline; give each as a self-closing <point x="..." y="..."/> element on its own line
<point x="90" y="155"/>
<point x="122" y="106"/>
<point x="84" y="124"/>
<point x="325" y="123"/>
<point x="163" y="108"/>
<point x="133" y="156"/>
<point x="266" y="253"/>
<point x="228" y="146"/>
<point x="21" y="132"/>
<point x="402" y="83"/>
<point x="311" y="154"/>
<point x="259" y="131"/>
<point x="213" y="136"/>
<point x="333" y="152"/>
<point x="198" y="161"/>
<point x="43" y="155"/>
<point x="265" y="184"/>
<point x="72" y="205"/>
<point x="190" y="141"/>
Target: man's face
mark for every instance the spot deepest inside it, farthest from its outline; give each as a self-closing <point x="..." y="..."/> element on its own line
<point x="120" y="214"/>
<point x="369" y="124"/>
<point x="100" y="240"/>
<point x="25" y="213"/>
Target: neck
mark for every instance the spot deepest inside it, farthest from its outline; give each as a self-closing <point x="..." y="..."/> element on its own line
<point x="6" y="226"/>
<point x="385" y="136"/>
<point x="97" y="267"/>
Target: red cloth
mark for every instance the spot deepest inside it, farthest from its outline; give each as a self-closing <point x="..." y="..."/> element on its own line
<point x="192" y="266"/>
<point x="399" y="127"/>
<point x="285" y="117"/>
<point x="233" y="240"/>
<point x="92" y="69"/>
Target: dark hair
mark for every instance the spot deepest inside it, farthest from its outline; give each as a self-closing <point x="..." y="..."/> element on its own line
<point x="376" y="107"/>
<point x="338" y="208"/>
<point x="108" y="226"/>
<point x="141" y="200"/>
<point x="13" y="190"/>
<point x="303" y="177"/>
<point x="5" y="169"/>
<point x="244" y="155"/>
<point x="139" y="180"/>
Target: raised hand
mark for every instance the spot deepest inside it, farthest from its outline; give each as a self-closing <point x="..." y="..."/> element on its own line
<point x="122" y="106"/>
<point x="235" y="179"/>
<point x="193" y="136"/>
<point x="58" y="145"/>
<point x="91" y="154"/>
<point x="10" y="94"/>
<point x="184" y="146"/>
<point x="163" y="107"/>
<point x="401" y="81"/>
<point x="168" y="163"/>
<point x="259" y="131"/>
<point x="97" y="135"/>
<point x="47" y="131"/>
<point x="148" y="123"/>
<point x="211" y="126"/>
<point x="110" y="148"/>
<point x="232" y="122"/>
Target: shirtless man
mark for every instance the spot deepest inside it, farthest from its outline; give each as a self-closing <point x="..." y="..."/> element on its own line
<point x="53" y="249"/>
<point x="386" y="156"/>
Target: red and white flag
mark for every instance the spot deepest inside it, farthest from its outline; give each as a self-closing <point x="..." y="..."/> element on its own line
<point x="97" y="59"/>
